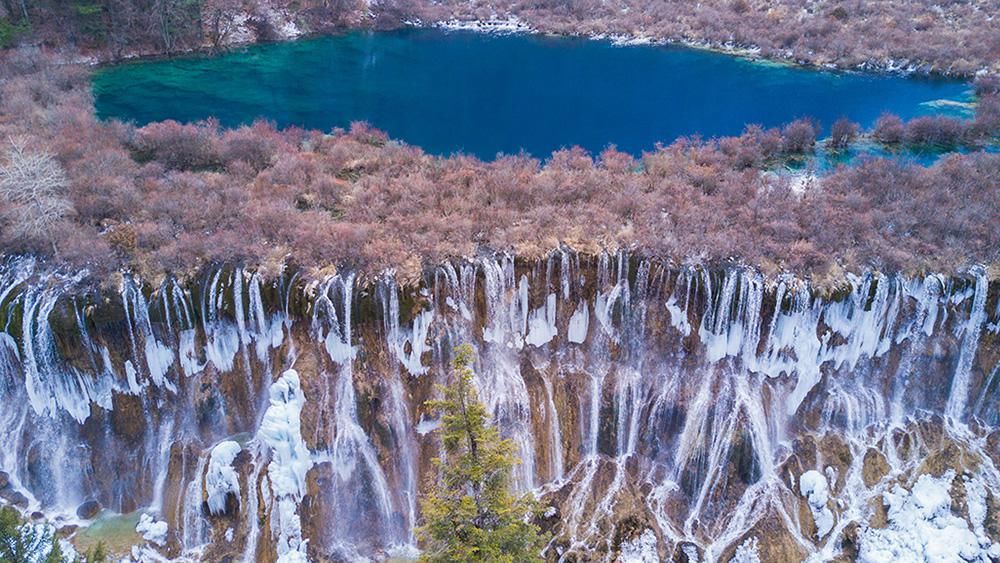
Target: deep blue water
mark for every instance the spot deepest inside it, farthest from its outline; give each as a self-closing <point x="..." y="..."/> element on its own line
<point x="466" y="92"/>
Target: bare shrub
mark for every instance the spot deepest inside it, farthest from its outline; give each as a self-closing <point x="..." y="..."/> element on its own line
<point x="799" y="136"/>
<point x="889" y="130"/>
<point x="842" y="133"/>
<point x="33" y="189"/>
<point x="178" y="146"/>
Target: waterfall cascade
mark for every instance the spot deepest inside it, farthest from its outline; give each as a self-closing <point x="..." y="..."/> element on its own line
<point x="660" y="412"/>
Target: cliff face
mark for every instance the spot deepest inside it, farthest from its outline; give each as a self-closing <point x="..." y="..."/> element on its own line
<point x="659" y="412"/>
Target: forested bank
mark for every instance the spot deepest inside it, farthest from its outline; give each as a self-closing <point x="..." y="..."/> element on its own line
<point x="958" y="38"/>
<point x="108" y="196"/>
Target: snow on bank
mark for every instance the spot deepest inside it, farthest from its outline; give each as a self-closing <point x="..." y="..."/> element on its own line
<point x="290" y="461"/>
<point x="152" y="530"/>
<point x="922" y="527"/>
<point x="221" y="478"/>
<point x="510" y="24"/>
<point x="814" y="487"/>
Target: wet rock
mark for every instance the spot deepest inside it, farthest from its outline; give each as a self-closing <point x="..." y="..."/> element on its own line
<point x="992" y="523"/>
<point x="993" y="446"/>
<point x="67" y="531"/>
<point x="951" y="456"/>
<point x="874" y="467"/>
<point x="17" y="499"/>
<point x="837" y="454"/>
<point x="774" y="542"/>
<point x="880" y="514"/>
<point x="89" y="509"/>
<point x="802" y="458"/>
<point x="850" y="543"/>
<point x="4" y="480"/>
<point x="37" y="515"/>
<point x="902" y="442"/>
<point x="128" y="418"/>
<point x="806" y="523"/>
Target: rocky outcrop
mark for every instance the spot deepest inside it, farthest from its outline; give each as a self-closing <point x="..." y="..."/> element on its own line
<point x="89" y="509"/>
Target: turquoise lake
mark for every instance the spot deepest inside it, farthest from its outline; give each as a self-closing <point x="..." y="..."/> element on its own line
<point x="479" y="94"/>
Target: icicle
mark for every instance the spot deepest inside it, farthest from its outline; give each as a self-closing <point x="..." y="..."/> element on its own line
<point x="579" y="323"/>
<point x="542" y="323"/>
<point x="221" y="479"/>
<point x="158" y="356"/>
<point x="222" y="339"/>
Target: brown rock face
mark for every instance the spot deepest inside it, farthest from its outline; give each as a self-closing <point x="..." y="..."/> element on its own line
<point x="774" y="542"/>
<point x="875" y="467"/>
<point x="835" y="453"/>
<point x="880" y="514"/>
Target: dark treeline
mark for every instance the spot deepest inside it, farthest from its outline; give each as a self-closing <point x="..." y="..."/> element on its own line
<point x="943" y="37"/>
<point x="171" y="198"/>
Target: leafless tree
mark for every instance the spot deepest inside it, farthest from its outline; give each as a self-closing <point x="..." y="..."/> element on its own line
<point x="219" y="18"/>
<point x="33" y="188"/>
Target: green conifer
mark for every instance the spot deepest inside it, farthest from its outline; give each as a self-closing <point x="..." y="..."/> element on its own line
<point x="470" y="513"/>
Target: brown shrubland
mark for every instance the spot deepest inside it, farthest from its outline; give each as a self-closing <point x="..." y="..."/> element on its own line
<point x="173" y="197"/>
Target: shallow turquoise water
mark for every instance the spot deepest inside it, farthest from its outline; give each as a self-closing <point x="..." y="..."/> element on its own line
<point x="466" y="92"/>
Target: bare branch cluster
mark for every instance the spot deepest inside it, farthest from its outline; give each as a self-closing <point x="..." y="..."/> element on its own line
<point x="33" y="189"/>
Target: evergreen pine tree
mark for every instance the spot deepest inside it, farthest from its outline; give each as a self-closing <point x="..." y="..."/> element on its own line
<point x="470" y="513"/>
<point x="22" y="542"/>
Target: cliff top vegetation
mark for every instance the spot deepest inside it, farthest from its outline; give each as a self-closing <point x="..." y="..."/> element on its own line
<point x="172" y="198"/>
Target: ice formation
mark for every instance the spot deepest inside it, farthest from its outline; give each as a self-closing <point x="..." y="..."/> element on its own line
<point x="922" y="527"/>
<point x="152" y="530"/>
<point x="290" y="461"/>
<point x="814" y="487"/>
<point x="221" y="479"/>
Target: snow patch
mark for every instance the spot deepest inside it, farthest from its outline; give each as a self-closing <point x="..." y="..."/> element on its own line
<point x="639" y="550"/>
<point x="747" y="552"/>
<point x="426" y="426"/>
<point x="508" y="25"/>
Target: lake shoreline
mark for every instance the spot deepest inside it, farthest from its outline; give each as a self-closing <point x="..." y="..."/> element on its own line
<point x="515" y="26"/>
